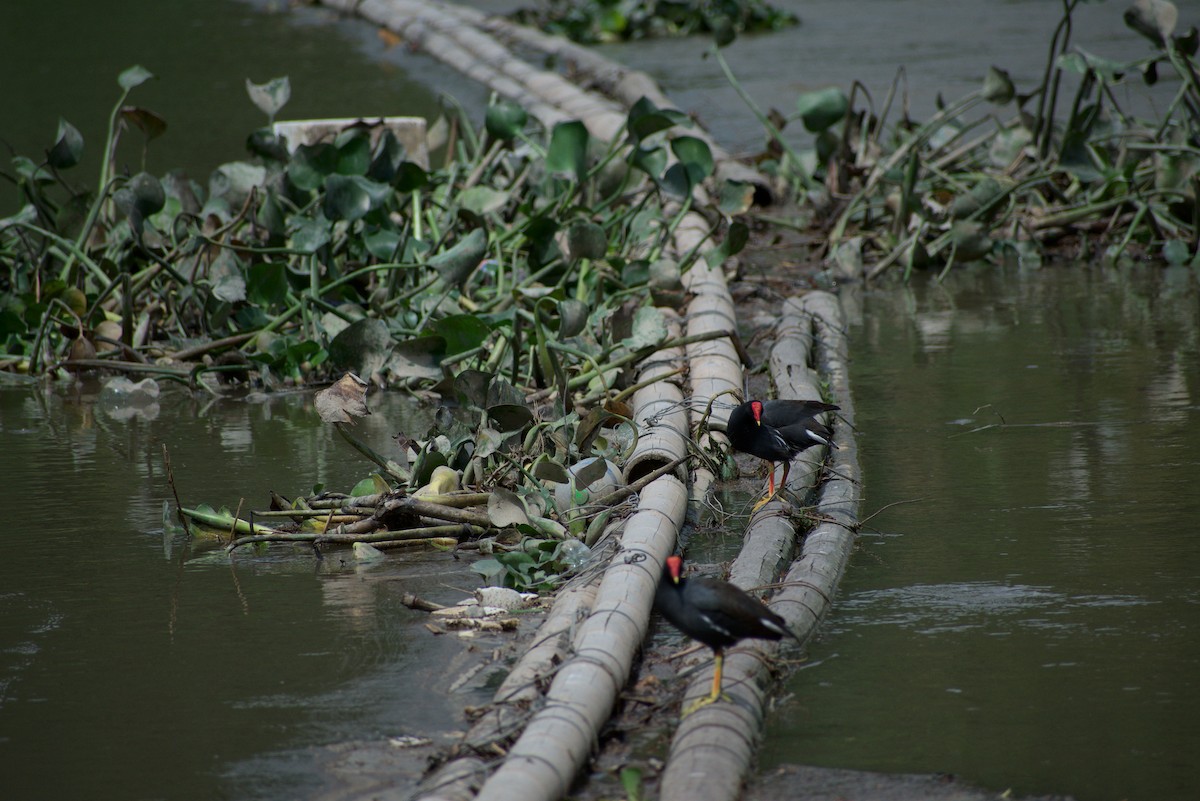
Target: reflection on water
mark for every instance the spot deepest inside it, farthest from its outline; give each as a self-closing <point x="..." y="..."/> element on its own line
<point x="129" y="669"/>
<point x="1026" y="619"/>
<point x="201" y="53"/>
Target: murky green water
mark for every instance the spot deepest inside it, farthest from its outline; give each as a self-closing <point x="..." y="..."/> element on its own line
<point x="131" y="669"/>
<point x="62" y="60"/>
<point x="1024" y="609"/>
<point x="1029" y="620"/>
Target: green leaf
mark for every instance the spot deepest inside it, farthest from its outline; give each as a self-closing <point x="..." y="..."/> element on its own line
<point x="1008" y="145"/>
<point x="271" y="96"/>
<point x="471" y="386"/>
<point x="649" y="328"/>
<point x="462" y="332"/>
<point x="998" y="86"/>
<point x="505" y="119"/>
<point x="11" y="323"/>
<point x="677" y="181"/>
<point x="345" y="198"/>
<point x="363" y="346"/>
<point x="572" y="317"/>
<point x="134" y="77"/>
<point x="456" y="264"/>
<point x="510" y="416"/>
<point x="310" y="165"/>
<point x="652" y="161"/>
<point x="225" y="275"/>
<point x="490" y="569"/>
<point x="586" y="240"/>
<point x="410" y="177"/>
<point x="985" y="193"/>
<point x="823" y="108"/>
<point x="736" y="197"/>
<point x="68" y="146"/>
<point x="483" y="199"/>
<point x="1082" y="62"/>
<point x="364" y="487"/>
<point x="646" y="119"/>
<point x="148" y="194"/>
<point x="382" y="243"/>
<point x="695" y="155"/>
<point x="548" y="469"/>
<point x="389" y="155"/>
<point x="311" y="235"/>
<point x="631" y="782"/>
<point x="354" y="155"/>
<point x="417" y="357"/>
<point x="589" y="473"/>
<point x="733" y="244"/>
<point x="140" y="197"/>
<point x="266" y="283"/>
<point x="567" y="152"/>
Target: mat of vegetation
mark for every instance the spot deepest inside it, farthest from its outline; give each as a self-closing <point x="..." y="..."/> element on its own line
<point x="521" y="281"/>
<point x="1008" y="174"/>
<point x="529" y="257"/>
<point x="595" y="21"/>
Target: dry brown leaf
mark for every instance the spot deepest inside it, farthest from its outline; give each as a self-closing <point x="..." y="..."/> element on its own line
<point x="344" y="400"/>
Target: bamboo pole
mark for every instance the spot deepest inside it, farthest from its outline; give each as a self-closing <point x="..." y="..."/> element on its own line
<point x="460" y="778"/>
<point x="443" y="34"/>
<point x="471" y="42"/>
<point x="558" y="740"/>
<point x="659" y="411"/>
<point x="715" y="370"/>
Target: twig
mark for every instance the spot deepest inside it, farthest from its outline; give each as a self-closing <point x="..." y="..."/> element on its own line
<point x="187" y="354"/>
<point x="619" y="494"/>
<point x="426" y="532"/>
<point x="862" y="523"/>
<point x="437" y="510"/>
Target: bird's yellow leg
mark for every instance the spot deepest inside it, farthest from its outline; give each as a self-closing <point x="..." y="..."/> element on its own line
<point x="716" y="694"/>
<point x="770" y="489"/>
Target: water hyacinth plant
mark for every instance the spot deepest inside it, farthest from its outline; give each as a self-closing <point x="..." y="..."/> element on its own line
<point x="519" y="281"/>
<point x="616" y="20"/>
<point x="1007" y="174"/>
<point x="525" y="256"/>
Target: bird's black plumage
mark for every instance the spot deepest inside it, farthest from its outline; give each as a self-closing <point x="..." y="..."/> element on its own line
<point x="712" y="611"/>
<point x="716" y="613"/>
<point x="778" y="430"/>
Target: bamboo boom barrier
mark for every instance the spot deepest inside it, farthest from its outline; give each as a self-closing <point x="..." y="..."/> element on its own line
<point x="615" y="80"/>
<point x="712" y="748"/>
<point x="443" y="34"/>
<point x="559" y="738"/>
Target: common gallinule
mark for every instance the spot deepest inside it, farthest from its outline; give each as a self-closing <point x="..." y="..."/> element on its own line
<point x="777" y="430"/>
<point x="716" y="613"/>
